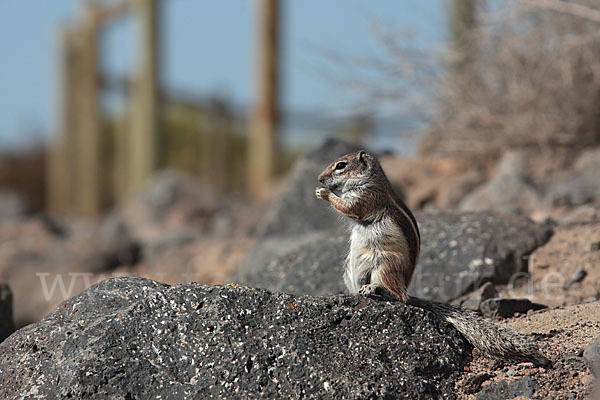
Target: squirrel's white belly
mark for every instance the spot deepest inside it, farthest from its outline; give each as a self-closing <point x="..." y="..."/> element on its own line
<point x="363" y="256"/>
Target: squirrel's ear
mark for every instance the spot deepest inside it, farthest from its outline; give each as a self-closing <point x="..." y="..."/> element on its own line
<point x="361" y="157"/>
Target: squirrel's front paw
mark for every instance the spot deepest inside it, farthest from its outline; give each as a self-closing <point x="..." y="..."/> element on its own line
<point x="374" y="291"/>
<point x="322" y="193"/>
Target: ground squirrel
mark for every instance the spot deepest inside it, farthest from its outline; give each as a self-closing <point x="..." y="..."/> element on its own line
<point x="384" y="249"/>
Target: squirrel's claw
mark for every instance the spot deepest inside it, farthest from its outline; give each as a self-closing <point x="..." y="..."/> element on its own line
<point x="369" y="289"/>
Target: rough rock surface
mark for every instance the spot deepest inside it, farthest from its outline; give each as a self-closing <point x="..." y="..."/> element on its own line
<point x="6" y="312"/>
<point x="461" y="251"/>
<point x="505" y="308"/>
<point x="473" y="300"/>
<point x="136" y="338"/>
<point x="503" y="390"/>
<point x="313" y="265"/>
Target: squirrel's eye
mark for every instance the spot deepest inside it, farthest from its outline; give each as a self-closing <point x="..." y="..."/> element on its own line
<point x="340" y="165"/>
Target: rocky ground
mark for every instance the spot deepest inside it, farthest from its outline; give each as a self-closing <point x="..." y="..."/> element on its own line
<point x="175" y="229"/>
<point x="566" y="269"/>
<point x="571" y="322"/>
<point x="523" y="228"/>
<point x="565" y="332"/>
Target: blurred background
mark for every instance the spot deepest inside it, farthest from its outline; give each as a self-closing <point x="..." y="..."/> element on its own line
<point x="103" y="93"/>
<point x="150" y="136"/>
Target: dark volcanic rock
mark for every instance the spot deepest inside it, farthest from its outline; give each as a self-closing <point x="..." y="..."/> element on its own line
<point x="473" y="301"/>
<point x="459" y="252"/>
<point x="6" y="312"/>
<point x="503" y="390"/>
<point x="506" y="308"/>
<point x="115" y="246"/>
<point x="312" y="265"/>
<point x="135" y="338"/>
<point x="473" y="384"/>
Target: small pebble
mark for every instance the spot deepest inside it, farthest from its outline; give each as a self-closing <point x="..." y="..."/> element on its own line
<point x="578" y="276"/>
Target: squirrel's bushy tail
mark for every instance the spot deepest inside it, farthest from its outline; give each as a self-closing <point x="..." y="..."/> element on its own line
<point x="491" y="339"/>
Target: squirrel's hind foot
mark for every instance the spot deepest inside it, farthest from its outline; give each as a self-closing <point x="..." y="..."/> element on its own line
<point x="376" y="292"/>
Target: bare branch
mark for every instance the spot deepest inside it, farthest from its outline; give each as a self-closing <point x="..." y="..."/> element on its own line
<point x="574" y="9"/>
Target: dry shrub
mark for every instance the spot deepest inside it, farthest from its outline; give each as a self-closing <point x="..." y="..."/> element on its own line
<point x="534" y="82"/>
<point x="528" y="76"/>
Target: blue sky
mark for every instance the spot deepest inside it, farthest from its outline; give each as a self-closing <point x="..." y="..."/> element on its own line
<point x="207" y="49"/>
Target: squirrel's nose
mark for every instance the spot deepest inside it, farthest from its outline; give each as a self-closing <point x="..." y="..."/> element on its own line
<point x="321" y="178"/>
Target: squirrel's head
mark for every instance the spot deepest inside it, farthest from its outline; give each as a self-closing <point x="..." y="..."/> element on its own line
<point x="347" y="172"/>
